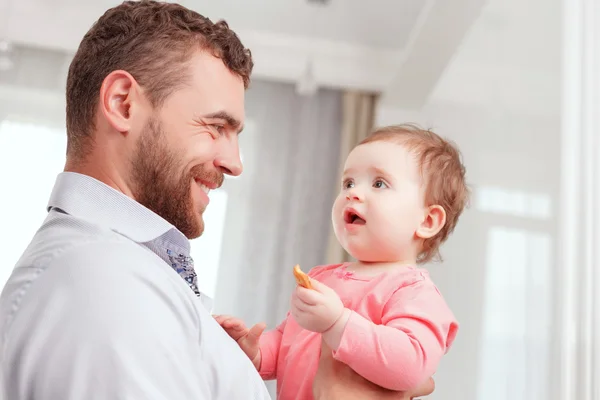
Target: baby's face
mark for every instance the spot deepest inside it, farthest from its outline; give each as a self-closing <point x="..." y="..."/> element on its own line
<point x="380" y="205"/>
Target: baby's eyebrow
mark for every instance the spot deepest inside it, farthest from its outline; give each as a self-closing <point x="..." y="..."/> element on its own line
<point x="379" y="171"/>
<point x="348" y="171"/>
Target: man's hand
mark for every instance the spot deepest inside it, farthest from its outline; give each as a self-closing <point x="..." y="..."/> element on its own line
<point x="337" y="381"/>
<point x="316" y="309"/>
<point x="247" y="339"/>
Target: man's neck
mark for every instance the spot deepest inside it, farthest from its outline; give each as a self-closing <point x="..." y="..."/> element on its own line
<point x="106" y="173"/>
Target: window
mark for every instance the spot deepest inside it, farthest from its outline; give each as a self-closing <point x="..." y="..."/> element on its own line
<point x="516" y="321"/>
<point x="517" y="203"/>
<point x="206" y="250"/>
<point x="30" y="158"/>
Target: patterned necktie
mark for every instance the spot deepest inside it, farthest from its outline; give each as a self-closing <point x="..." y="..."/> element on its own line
<point x="184" y="266"/>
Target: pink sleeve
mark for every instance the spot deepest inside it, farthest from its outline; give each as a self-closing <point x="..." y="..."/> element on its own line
<point x="417" y="329"/>
<point x="269" y="351"/>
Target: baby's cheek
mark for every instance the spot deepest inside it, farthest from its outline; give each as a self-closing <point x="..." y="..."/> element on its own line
<point x="336" y="211"/>
<point x="396" y="223"/>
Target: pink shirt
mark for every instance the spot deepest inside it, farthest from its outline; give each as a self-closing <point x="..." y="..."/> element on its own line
<point x="398" y="331"/>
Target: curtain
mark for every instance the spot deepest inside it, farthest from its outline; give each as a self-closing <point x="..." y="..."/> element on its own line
<point x="279" y="209"/>
<point x="577" y="361"/>
<point x="358" y="114"/>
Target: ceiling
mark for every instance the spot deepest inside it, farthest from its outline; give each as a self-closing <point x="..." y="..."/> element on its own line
<point x="375" y="45"/>
<point x="509" y="61"/>
<point x="382" y="24"/>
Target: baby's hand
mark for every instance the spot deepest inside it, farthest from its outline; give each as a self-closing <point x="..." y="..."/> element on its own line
<point x="316" y="309"/>
<point x="247" y="339"/>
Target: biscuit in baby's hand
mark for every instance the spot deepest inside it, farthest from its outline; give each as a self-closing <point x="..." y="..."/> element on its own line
<point x="301" y="277"/>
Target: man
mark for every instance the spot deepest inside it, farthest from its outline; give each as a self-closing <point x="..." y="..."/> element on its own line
<point x="104" y="302"/>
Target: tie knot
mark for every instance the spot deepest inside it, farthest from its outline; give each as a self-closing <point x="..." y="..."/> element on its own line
<point x="184" y="266"/>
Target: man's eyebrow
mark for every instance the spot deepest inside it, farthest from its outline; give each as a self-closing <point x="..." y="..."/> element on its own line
<point x="225" y="116"/>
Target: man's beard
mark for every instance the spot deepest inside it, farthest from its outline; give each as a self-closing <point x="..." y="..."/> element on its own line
<point x="162" y="185"/>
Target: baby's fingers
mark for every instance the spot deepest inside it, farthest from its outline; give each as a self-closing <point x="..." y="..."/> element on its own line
<point x="222" y="318"/>
<point x="308" y="296"/>
<point x="235" y="324"/>
<point x="229" y="322"/>
<point x="321" y="287"/>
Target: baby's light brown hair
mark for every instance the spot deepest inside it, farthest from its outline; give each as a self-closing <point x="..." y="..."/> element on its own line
<point x="443" y="175"/>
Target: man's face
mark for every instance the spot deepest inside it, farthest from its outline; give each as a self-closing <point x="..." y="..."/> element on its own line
<point x="186" y="146"/>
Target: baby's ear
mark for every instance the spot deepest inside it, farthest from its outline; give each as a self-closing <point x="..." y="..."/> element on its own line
<point x="434" y="221"/>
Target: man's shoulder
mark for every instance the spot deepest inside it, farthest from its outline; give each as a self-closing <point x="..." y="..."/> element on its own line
<point x="89" y="267"/>
<point x="113" y="256"/>
<point x="102" y="273"/>
<point x="107" y="301"/>
<point x="64" y="249"/>
<point x="62" y="235"/>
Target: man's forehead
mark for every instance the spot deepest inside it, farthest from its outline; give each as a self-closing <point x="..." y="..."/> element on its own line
<point x="217" y="86"/>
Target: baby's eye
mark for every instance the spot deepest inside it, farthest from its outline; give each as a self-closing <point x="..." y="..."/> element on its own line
<point x="379" y="184"/>
<point x="348" y="184"/>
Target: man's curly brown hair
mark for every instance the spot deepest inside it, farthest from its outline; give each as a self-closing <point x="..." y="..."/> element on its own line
<point x="443" y="175"/>
<point x="151" y="40"/>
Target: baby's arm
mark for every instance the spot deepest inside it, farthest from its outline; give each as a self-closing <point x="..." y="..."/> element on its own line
<point x="270" y="343"/>
<point x="417" y="329"/>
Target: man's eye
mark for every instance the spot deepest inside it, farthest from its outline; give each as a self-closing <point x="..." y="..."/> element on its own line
<point x="220" y="129"/>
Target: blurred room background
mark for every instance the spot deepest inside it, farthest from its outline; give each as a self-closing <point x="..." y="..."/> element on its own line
<point x="513" y="82"/>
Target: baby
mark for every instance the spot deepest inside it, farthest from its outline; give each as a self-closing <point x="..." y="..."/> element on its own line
<point x="402" y="191"/>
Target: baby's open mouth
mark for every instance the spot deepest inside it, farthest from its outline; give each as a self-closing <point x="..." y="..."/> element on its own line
<point x="352" y="217"/>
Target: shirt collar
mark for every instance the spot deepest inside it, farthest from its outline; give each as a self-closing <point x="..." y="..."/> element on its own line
<point x="85" y="197"/>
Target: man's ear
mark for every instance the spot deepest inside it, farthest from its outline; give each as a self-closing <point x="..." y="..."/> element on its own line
<point x="434" y="221"/>
<point x="116" y="97"/>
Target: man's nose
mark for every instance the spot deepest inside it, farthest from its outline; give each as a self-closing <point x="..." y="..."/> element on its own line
<point x="228" y="160"/>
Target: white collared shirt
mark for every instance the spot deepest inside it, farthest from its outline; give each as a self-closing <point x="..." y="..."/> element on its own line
<point x="93" y="310"/>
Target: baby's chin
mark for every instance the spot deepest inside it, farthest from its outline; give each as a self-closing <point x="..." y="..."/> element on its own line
<point x="364" y="254"/>
<point x="372" y="253"/>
